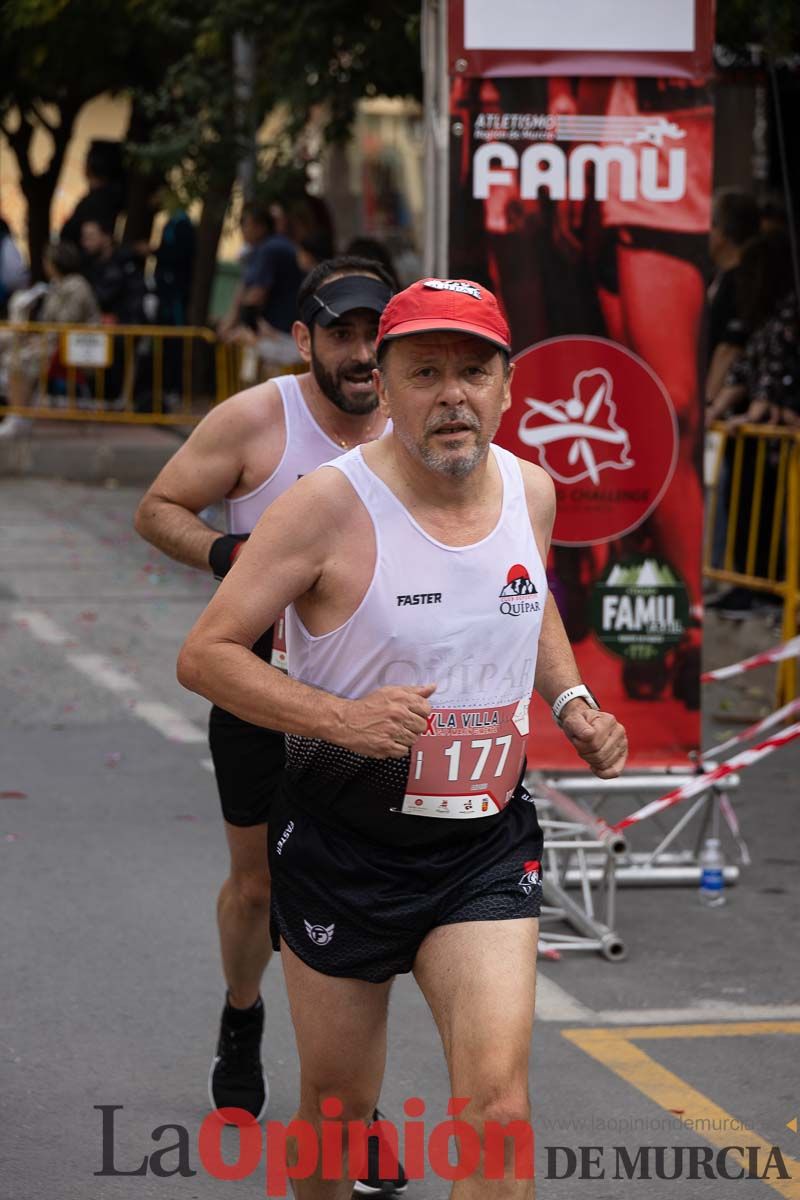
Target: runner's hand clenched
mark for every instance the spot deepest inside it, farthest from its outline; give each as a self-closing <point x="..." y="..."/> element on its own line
<point x="387" y="722"/>
<point x="599" y="739"/>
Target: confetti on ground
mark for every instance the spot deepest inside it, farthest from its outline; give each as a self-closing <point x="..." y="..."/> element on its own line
<point x="113" y="759"/>
<point x="11" y="795"/>
<point x="10" y="837"/>
<point x="186" y="817"/>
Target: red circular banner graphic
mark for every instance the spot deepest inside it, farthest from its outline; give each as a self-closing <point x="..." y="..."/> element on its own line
<point x="601" y="423"/>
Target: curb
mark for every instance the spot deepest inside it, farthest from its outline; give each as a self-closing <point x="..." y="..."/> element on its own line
<point x="89" y="459"/>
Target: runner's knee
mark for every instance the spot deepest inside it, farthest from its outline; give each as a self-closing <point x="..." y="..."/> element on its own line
<point x="251" y="890"/>
<point x="358" y="1103"/>
<point x="498" y="1105"/>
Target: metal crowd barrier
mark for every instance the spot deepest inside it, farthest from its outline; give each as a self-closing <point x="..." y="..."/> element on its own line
<point x="136" y="374"/>
<point x="754" y="518"/>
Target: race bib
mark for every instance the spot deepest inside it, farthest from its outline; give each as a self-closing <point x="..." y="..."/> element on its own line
<point x="278" y="657"/>
<point x="467" y="763"/>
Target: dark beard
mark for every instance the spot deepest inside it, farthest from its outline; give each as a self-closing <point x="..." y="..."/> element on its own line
<point x="330" y="386"/>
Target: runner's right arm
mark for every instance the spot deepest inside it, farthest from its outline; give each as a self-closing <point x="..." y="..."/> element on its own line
<point x="304" y="535"/>
<point x="202" y="472"/>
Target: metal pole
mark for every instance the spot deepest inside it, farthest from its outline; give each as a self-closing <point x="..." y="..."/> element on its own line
<point x="634" y="875"/>
<point x="571" y="810"/>
<point x="244" y="76"/>
<point x="610" y="944"/>
<point x="437" y="132"/>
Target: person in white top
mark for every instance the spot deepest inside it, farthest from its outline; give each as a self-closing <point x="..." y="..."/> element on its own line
<point x="418" y="622"/>
<point x="245" y="454"/>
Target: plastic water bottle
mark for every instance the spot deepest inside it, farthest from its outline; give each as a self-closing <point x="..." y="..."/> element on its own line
<point x="712" y="875"/>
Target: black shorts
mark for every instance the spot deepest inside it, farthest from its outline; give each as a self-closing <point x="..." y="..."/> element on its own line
<point x="248" y="764"/>
<point x="361" y="910"/>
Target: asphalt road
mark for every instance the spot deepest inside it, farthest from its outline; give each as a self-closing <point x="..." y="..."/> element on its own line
<point x="111" y="854"/>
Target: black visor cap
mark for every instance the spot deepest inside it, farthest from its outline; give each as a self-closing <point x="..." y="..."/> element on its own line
<point x="332" y="300"/>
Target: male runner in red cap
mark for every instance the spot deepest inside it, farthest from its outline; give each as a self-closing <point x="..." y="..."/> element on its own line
<point x="418" y="623"/>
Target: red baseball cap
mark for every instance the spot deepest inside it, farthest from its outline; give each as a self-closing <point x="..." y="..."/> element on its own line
<point x="433" y="305"/>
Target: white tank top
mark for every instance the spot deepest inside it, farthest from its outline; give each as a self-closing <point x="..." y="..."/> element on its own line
<point x="467" y="618"/>
<point x="307" y="447"/>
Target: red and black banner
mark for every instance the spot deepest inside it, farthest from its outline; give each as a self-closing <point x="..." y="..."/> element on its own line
<point x="584" y="203"/>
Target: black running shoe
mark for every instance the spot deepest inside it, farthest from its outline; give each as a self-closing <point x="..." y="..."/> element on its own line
<point x="375" y="1184"/>
<point x="236" y="1078"/>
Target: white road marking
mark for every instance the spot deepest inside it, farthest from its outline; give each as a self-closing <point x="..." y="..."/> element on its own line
<point x="101" y="671"/>
<point x="40" y="627"/>
<point x="553" y="1003"/>
<point x="168" y="721"/>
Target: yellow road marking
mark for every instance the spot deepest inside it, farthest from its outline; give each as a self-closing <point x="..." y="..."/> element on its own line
<point x="615" y="1049"/>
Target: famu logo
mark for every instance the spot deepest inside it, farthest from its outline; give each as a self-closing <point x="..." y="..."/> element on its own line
<point x="640" y="609"/>
<point x="518" y="584"/>
<point x="630" y="157"/>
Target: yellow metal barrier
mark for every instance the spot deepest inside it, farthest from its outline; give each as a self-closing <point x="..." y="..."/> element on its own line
<point x="759" y="466"/>
<point x="139" y="374"/>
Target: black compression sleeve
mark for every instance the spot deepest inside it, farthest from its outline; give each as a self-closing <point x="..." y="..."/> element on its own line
<point x="222" y="554"/>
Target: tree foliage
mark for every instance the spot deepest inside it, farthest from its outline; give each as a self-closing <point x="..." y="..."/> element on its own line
<point x="55" y="56"/>
<point x="327" y="53"/>
<point x="771" y="24"/>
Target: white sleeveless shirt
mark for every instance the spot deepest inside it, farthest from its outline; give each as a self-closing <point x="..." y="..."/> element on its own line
<point x="307" y="447"/>
<point x="466" y="618"/>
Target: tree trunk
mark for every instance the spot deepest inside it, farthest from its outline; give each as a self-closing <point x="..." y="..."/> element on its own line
<point x="209" y="232"/>
<point x="142" y="185"/>
<point x="39" y="195"/>
<point x="38" y="189"/>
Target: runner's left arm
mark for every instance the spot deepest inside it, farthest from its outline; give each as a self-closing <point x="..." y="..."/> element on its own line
<point x="597" y="736"/>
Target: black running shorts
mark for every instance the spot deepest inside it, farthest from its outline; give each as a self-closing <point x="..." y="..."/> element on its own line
<point x="361" y="910"/>
<point x="248" y="764"/>
<point x="248" y="760"/>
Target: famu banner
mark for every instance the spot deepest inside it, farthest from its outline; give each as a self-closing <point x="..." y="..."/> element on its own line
<point x="584" y="203"/>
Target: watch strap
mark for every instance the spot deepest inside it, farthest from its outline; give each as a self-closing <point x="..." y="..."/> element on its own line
<point x="579" y="691"/>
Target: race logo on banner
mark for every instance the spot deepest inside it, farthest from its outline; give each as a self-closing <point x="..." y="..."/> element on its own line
<point x="601" y="424"/>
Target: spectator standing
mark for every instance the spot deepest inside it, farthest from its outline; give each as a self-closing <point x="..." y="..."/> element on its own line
<point x="115" y="274"/>
<point x="68" y="300"/>
<point x="734" y="221"/>
<point x="270" y="276"/>
<point x="13" y="272"/>
<point x="761" y="386"/>
<point x="105" y="198"/>
<point x="174" y="268"/>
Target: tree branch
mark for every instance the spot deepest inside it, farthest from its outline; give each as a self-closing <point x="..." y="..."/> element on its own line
<point x="42" y="119"/>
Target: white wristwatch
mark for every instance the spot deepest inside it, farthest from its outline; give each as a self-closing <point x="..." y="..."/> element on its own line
<point x="580" y="690"/>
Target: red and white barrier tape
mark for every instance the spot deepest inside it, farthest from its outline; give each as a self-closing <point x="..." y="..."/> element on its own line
<point x="778" y="653"/>
<point x="700" y="783"/>
<point x="780" y="714"/>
